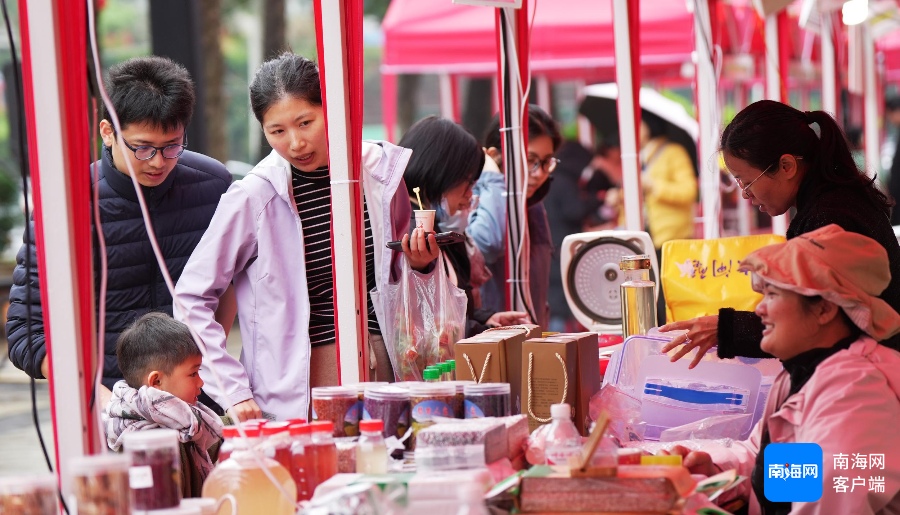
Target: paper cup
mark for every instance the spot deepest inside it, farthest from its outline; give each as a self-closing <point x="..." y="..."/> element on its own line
<point x="424" y="219"/>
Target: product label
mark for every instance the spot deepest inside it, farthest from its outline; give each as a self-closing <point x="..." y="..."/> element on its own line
<point x="140" y="478"/>
<point x="426" y="410"/>
<point x="473" y="411"/>
<point x="351" y="419"/>
<point x="560" y="455"/>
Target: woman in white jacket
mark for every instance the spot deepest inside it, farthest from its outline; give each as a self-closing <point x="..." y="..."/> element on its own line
<point x="271" y="236"/>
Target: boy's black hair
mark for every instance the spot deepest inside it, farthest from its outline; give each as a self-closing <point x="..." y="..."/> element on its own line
<point x="444" y="156"/>
<point x="155" y="341"/>
<point x="154" y="90"/>
<point x="539" y="124"/>
<point x="288" y="75"/>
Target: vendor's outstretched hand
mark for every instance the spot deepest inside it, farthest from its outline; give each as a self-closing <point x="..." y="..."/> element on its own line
<point x="415" y="250"/>
<point x="702" y="333"/>
<point x="505" y="318"/>
<point x="246" y="410"/>
<point x="696" y="462"/>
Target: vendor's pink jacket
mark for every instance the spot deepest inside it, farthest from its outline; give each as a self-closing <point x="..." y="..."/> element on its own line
<point x="849" y="406"/>
<point x="256" y="240"/>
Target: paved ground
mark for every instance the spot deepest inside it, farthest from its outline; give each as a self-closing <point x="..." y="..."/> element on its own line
<point x="20" y="450"/>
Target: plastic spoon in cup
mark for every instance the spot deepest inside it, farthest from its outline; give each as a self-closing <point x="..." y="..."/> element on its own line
<point x="418" y="198"/>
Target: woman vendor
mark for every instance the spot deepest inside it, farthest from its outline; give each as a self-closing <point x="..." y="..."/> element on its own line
<point x="783" y="158"/>
<point x="822" y="317"/>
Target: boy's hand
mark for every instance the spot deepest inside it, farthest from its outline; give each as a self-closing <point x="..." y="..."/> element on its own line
<point x="415" y="250"/>
<point x="697" y="462"/>
<point x="103" y="397"/>
<point x="246" y="410"/>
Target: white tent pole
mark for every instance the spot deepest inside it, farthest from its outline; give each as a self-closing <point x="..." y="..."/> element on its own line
<point x="872" y="136"/>
<point x="744" y="213"/>
<point x="829" y="77"/>
<point x="631" y="184"/>
<point x="585" y="129"/>
<point x="707" y="94"/>
<point x="773" y="92"/>
<point x="350" y="318"/>
<point x="63" y="313"/>
<point x="446" y="95"/>
<point x="543" y="93"/>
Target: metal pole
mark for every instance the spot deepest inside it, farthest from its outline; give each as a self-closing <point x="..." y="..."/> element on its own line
<point x="829" y="76"/>
<point x="628" y="81"/>
<point x="707" y="94"/>
<point x="872" y="136"/>
<point x="773" y="91"/>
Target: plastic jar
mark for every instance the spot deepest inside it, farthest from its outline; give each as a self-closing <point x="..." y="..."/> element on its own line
<point x="276" y="443"/>
<point x="100" y="483"/>
<point x="30" y="495"/>
<point x="459" y="401"/>
<point x="338" y="405"/>
<point x="155" y="474"/>
<point x="428" y="400"/>
<point x="389" y="404"/>
<point x="487" y="400"/>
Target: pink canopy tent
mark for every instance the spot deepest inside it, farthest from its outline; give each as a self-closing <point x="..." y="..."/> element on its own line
<point x="570" y="38"/>
<point x="436" y="36"/>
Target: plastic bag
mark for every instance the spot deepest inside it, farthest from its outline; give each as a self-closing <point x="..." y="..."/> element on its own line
<point x="421" y="316"/>
<point x="709" y="428"/>
<point x="701" y="276"/>
<point x="625" y="423"/>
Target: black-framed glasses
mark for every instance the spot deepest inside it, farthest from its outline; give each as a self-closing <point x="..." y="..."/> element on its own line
<point x="147" y="152"/>
<point x="548" y="165"/>
<point x="746" y="188"/>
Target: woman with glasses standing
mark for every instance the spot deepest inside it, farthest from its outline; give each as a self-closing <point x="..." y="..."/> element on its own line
<point x="783" y="158"/>
<point x="488" y="224"/>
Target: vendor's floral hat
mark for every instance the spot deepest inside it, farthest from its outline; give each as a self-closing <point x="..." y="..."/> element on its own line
<point x="845" y="268"/>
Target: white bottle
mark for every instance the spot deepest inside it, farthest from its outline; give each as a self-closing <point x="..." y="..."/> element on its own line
<point x="563" y="439"/>
<point x="471" y="499"/>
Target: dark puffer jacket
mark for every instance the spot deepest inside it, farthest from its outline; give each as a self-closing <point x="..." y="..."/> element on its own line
<point x="180" y="208"/>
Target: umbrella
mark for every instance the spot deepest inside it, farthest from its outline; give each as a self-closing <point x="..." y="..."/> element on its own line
<point x="599" y="106"/>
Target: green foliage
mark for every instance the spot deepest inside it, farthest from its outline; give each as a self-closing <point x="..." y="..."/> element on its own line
<point x="376" y="7"/>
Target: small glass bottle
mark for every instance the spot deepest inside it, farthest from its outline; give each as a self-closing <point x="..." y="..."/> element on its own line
<point x="371" y="453"/>
<point x="276" y="443"/>
<point x="637" y="296"/>
<point x="301" y="464"/>
<point x="324" y="453"/>
<point x="563" y="439"/>
<point x="445" y="368"/>
<point x="431" y="375"/>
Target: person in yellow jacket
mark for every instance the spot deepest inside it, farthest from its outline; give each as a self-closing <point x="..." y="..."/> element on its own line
<point x="669" y="183"/>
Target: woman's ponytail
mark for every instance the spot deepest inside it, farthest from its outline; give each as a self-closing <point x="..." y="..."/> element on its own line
<point x="834" y="163"/>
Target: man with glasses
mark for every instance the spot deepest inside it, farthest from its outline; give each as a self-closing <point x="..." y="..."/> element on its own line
<point x="154" y="100"/>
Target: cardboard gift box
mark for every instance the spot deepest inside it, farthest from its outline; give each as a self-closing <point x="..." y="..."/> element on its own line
<point x="504" y="344"/>
<point x="559" y="369"/>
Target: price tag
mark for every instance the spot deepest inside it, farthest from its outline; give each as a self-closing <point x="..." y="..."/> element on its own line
<point x="140" y="478"/>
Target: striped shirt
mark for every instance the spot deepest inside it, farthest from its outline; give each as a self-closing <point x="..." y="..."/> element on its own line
<point x="312" y="193"/>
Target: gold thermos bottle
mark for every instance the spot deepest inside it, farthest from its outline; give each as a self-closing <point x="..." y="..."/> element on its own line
<point x="638" y="296"/>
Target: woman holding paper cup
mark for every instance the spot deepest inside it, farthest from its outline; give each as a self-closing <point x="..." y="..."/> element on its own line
<point x="446" y="162"/>
<point x="824" y="320"/>
<point x="782" y="158"/>
<point x="271" y="236"/>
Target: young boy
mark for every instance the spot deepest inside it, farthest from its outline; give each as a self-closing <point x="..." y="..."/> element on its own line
<point x="161" y="364"/>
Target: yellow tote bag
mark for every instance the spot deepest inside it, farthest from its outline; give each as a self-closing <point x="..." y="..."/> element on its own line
<point x="701" y="276"/>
